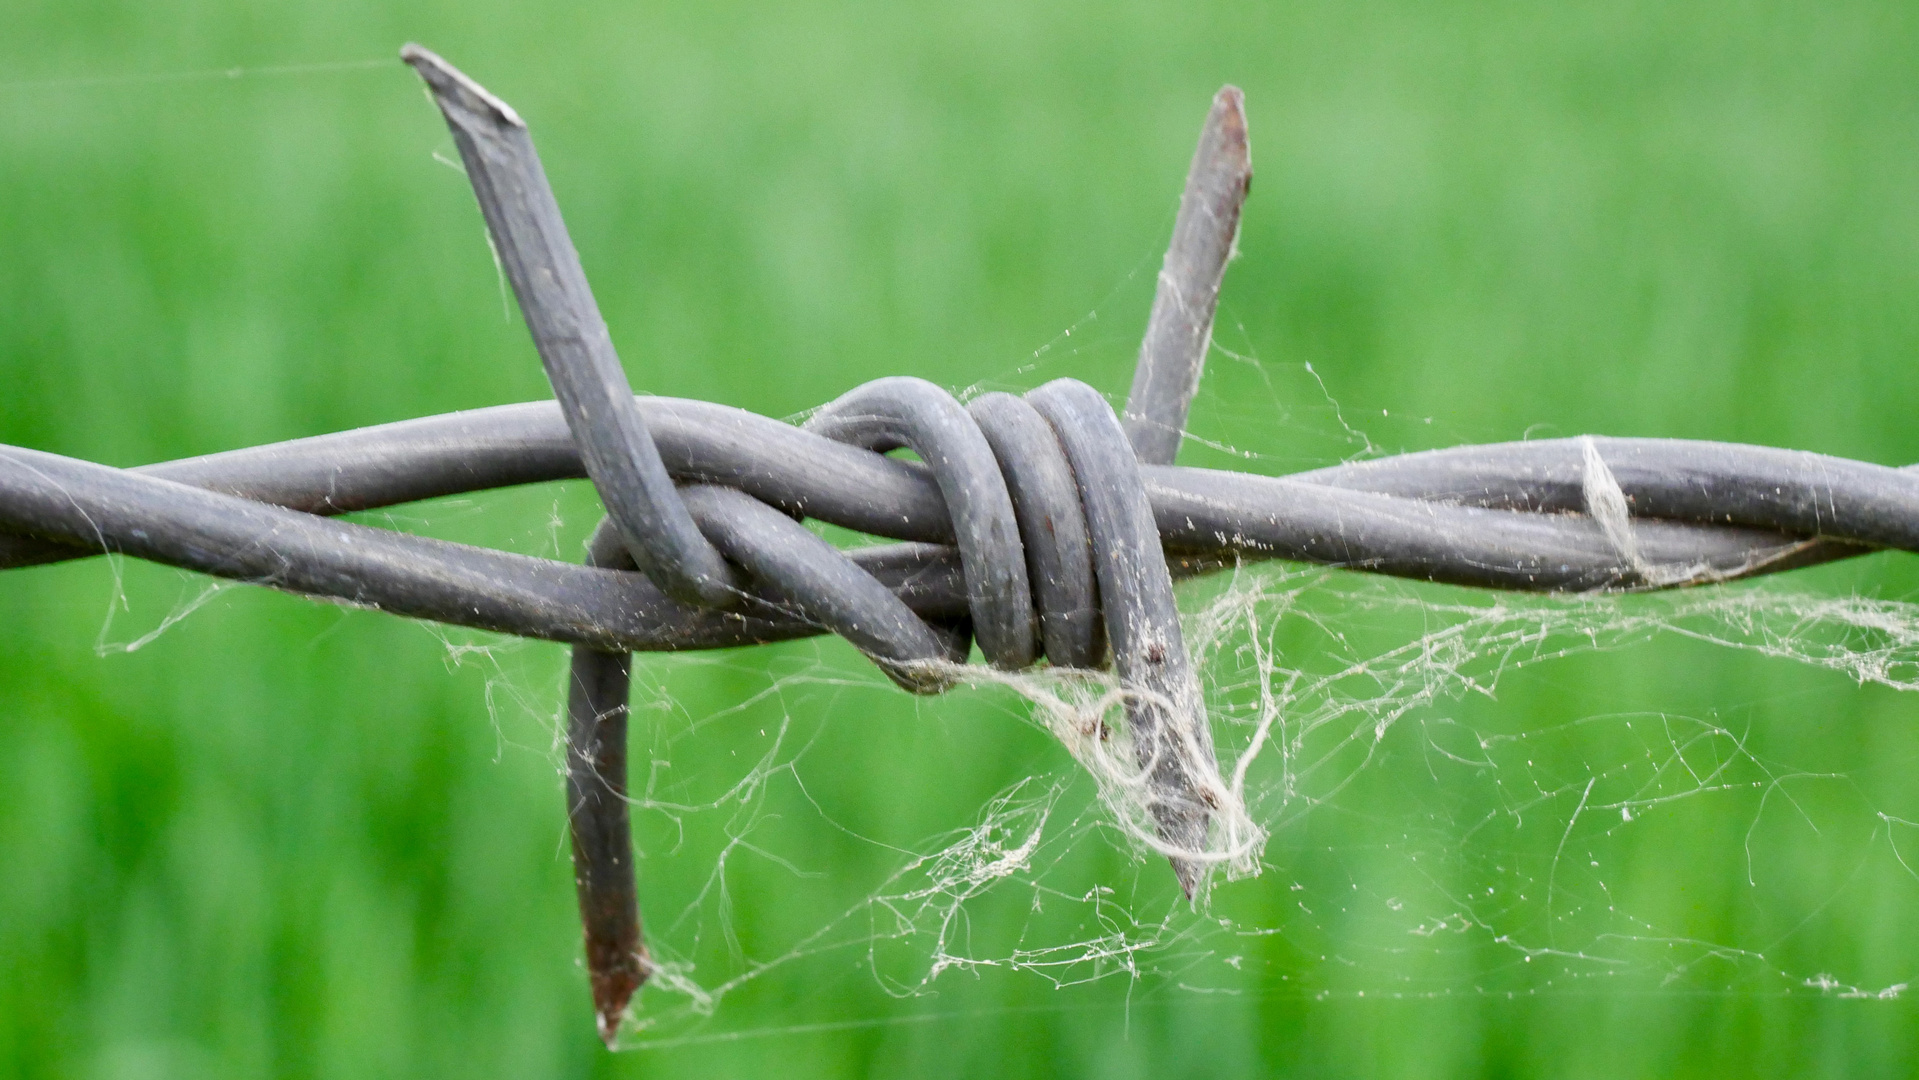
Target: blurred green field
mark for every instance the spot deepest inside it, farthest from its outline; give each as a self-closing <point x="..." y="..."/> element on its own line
<point x="283" y="838"/>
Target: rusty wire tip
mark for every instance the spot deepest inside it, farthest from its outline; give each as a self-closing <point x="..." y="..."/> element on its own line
<point x="451" y="86"/>
<point x="613" y="990"/>
<point x="1232" y="147"/>
<point x="1228" y="120"/>
<point x="597" y="816"/>
<point x="1225" y="141"/>
<point x="1190" y="874"/>
<point x="1181" y="822"/>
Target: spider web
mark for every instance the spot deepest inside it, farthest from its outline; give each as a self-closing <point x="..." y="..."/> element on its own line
<point x="1423" y="811"/>
<point x="1505" y="861"/>
<point x="1417" y="810"/>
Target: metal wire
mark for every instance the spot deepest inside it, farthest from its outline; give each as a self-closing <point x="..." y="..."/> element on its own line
<point x="1047" y="526"/>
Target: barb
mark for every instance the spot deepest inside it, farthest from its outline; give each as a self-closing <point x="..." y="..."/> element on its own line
<point x="1180" y="330"/>
<point x="1163" y="707"/>
<point x="1047" y="525"/>
<point x="572" y="338"/>
<point x="599" y="689"/>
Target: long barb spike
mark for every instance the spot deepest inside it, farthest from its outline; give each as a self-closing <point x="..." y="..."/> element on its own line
<point x="1181" y="328"/>
<point x="530" y="236"/>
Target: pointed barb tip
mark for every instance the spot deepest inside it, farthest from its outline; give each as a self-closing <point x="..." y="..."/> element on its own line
<point x="614" y="984"/>
<point x="610" y="998"/>
<point x="610" y="1029"/>
<point x="1190" y="874"/>
<point x="451" y="86"/>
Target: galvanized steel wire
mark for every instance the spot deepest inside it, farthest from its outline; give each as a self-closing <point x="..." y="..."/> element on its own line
<point x="1046" y="526"/>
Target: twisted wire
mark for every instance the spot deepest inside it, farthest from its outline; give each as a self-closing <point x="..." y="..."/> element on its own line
<point x="1044" y="526"/>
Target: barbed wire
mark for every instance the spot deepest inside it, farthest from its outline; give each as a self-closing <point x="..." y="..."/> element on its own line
<point x="1046" y="526"/>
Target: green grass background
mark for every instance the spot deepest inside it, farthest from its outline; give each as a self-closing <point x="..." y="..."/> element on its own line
<point x="288" y="839"/>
